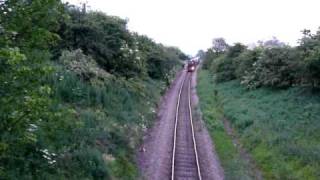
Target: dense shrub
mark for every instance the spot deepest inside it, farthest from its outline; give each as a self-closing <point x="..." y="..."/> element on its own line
<point x="160" y="60"/>
<point x="114" y="47"/>
<point x="105" y="38"/>
<point x="84" y="66"/>
<point x="235" y="50"/>
<point x="276" y="67"/>
<point x="208" y="59"/>
<point x="271" y="64"/>
<point x="244" y="62"/>
<point x="312" y="68"/>
<point x="223" y="68"/>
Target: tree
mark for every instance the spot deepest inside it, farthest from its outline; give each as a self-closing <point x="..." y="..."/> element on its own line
<point x="224" y="65"/>
<point x="105" y="38"/>
<point x="219" y="45"/>
<point x="201" y="54"/>
<point x="275" y="67"/>
<point x="235" y="50"/>
<point x="312" y="68"/>
<point x="27" y="33"/>
<point x="245" y="62"/>
<point x="271" y="43"/>
<point x="160" y="59"/>
<point x="208" y="58"/>
<point x="309" y="47"/>
<point x="31" y="24"/>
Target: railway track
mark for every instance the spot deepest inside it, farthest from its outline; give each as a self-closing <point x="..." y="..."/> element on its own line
<point x="185" y="161"/>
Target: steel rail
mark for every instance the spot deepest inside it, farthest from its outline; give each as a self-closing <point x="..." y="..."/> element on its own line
<point x="192" y="129"/>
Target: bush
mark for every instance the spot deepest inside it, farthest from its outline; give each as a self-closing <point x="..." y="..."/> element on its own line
<point x="272" y="64"/>
<point x="223" y="64"/>
<point x="276" y="67"/>
<point x="105" y="38"/>
<point x="223" y="68"/>
<point x="84" y="66"/>
<point x="244" y="62"/>
<point x="312" y="68"/>
<point x="208" y="59"/>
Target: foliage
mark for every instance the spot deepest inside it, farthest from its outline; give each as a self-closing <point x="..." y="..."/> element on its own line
<point x="82" y="114"/>
<point x="111" y="118"/>
<point x="25" y="109"/>
<point x="219" y="45"/>
<point x="160" y="60"/>
<point x="117" y="50"/>
<point x="271" y="43"/>
<point x="235" y="50"/>
<point x="312" y="68"/>
<point x="277" y="117"/>
<point x="224" y="65"/>
<point x="36" y="31"/>
<point x="279" y="128"/>
<point x="271" y="64"/>
<point x="245" y="61"/>
<point x="24" y="106"/>
<point x="275" y="67"/>
<point x="105" y="38"/>
<point x="309" y="48"/>
<point x="234" y="166"/>
<point x="84" y="66"/>
<point x="223" y="68"/>
<point x="207" y="58"/>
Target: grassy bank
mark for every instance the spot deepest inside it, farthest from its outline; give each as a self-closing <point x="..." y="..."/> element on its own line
<point x="212" y="110"/>
<point x="111" y="117"/>
<point x="278" y="127"/>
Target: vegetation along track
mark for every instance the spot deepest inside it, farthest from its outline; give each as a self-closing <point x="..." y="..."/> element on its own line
<point x="185" y="162"/>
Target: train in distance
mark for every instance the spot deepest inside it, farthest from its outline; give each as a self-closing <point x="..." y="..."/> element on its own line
<point x="192" y="64"/>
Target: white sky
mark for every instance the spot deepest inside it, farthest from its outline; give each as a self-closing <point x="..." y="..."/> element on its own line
<point x="192" y="24"/>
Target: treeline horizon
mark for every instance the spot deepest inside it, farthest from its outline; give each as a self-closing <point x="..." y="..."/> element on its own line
<point x="271" y="63"/>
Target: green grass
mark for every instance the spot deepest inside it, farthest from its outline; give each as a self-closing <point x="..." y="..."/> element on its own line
<point x="110" y="121"/>
<point x="280" y="128"/>
<point x="234" y="166"/>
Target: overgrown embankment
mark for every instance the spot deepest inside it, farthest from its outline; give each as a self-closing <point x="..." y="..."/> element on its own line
<point x="270" y="95"/>
<point x="279" y="128"/>
<point x="77" y="91"/>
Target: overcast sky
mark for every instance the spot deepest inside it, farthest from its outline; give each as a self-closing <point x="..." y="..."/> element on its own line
<point x="192" y="24"/>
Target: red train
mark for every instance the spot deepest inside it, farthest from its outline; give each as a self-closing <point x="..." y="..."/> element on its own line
<point x="192" y="64"/>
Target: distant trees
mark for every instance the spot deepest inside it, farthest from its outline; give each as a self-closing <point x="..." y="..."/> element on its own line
<point x="271" y="43"/>
<point x="158" y="59"/>
<point x="271" y="64"/>
<point x="276" y="67"/>
<point x="201" y="53"/>
<point x="105" y="38"/>
<point x="112" y="45"/>
<point x="219" y="45"/>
